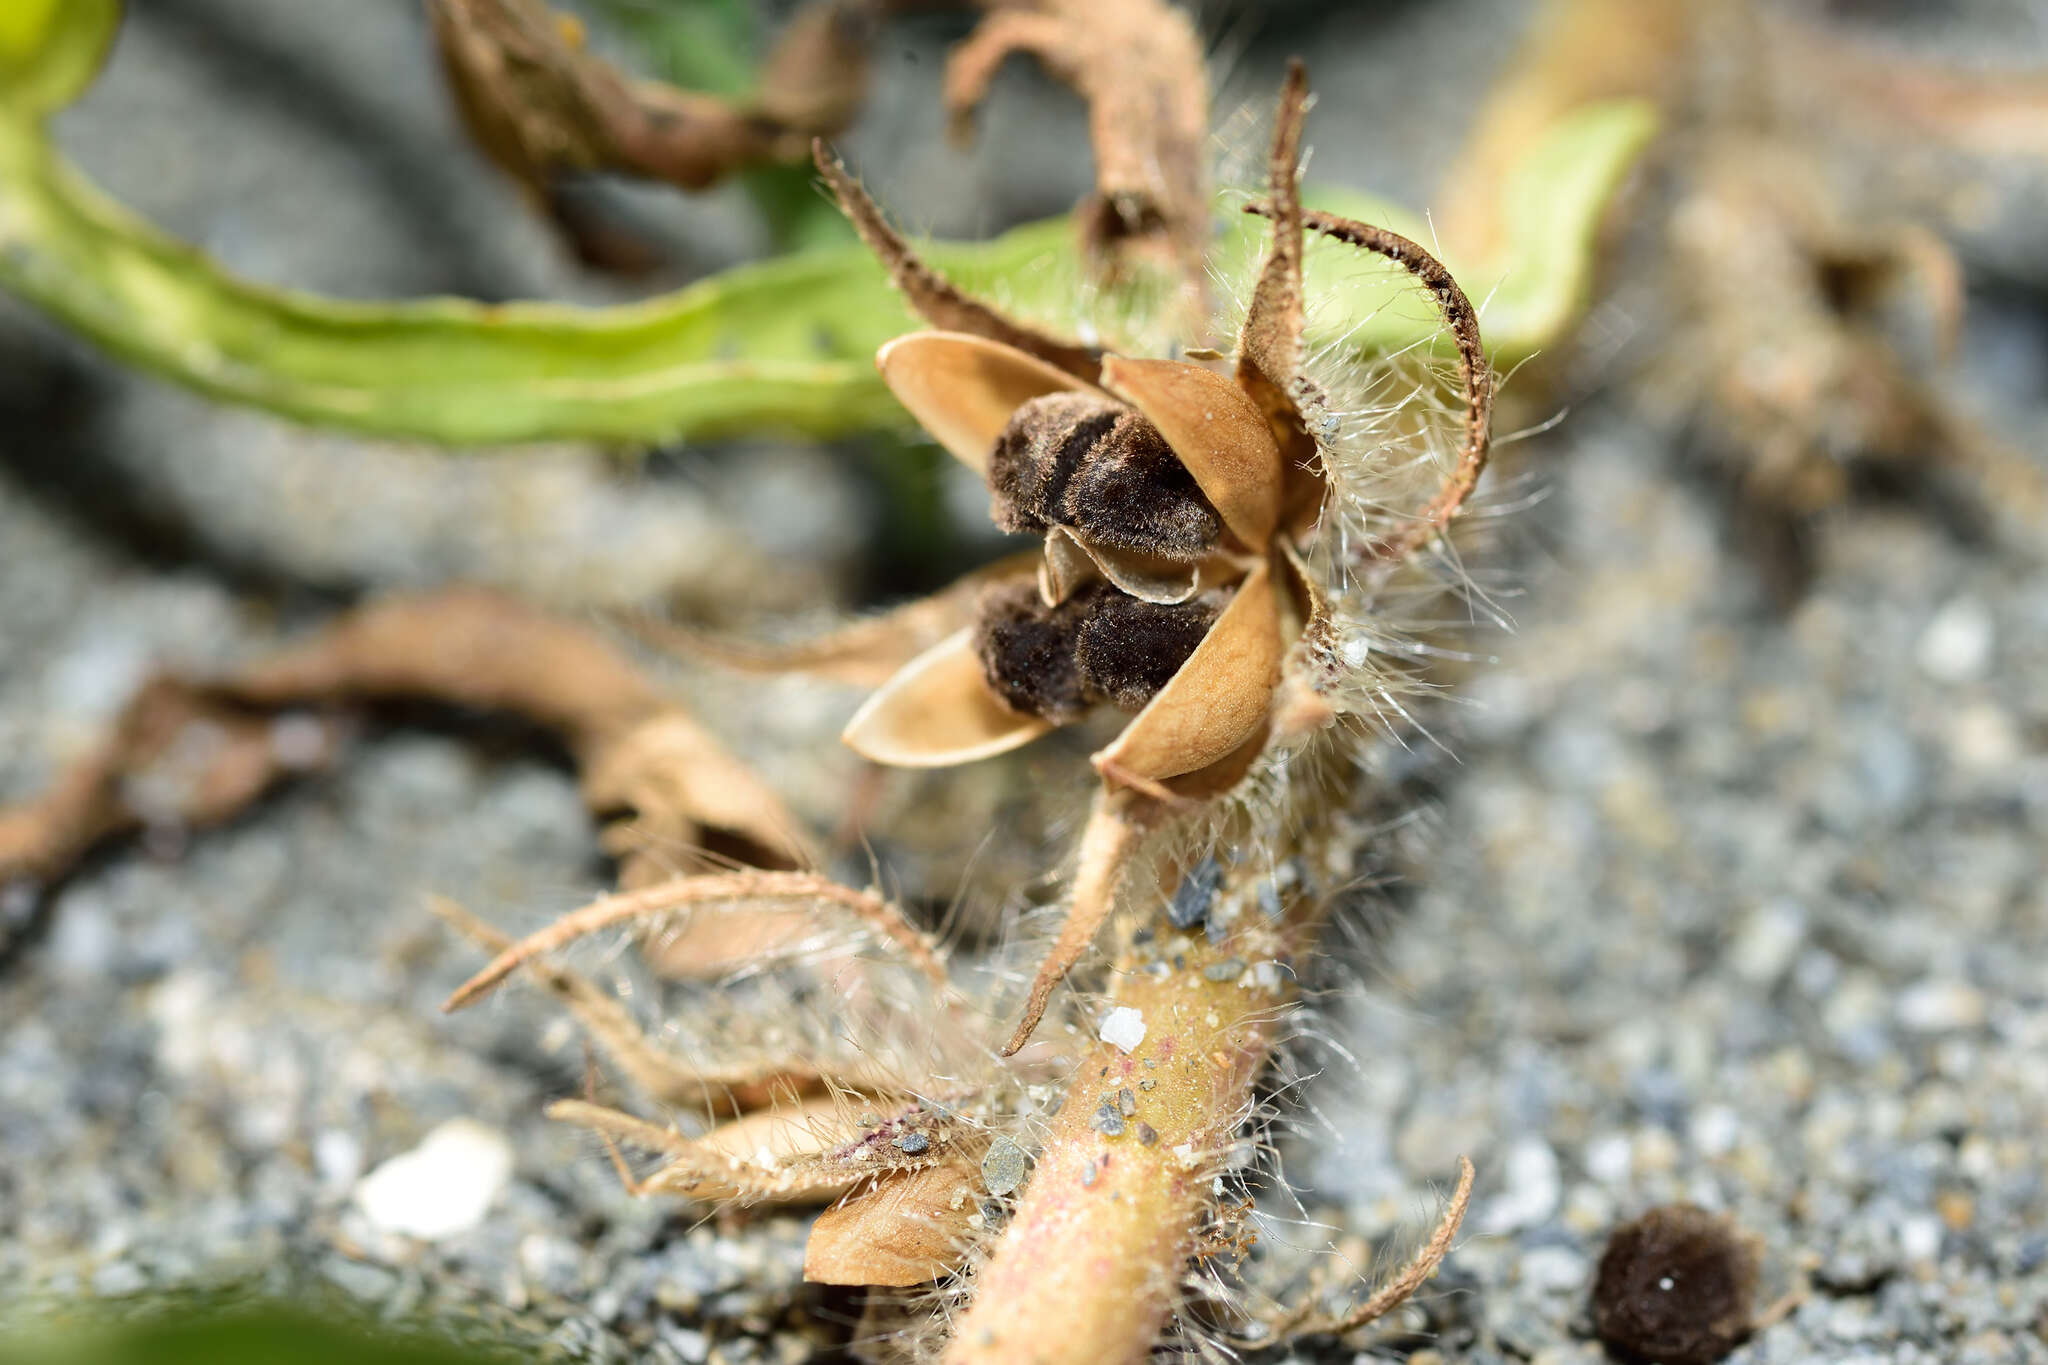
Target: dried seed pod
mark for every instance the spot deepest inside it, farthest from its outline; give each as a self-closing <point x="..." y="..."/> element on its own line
<point x="1098" y="467"/>
<point x="1676" y="1286"/>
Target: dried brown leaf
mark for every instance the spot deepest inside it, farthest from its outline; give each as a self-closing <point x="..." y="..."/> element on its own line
<point x="541" y="106"/>
<point x="1138" y="65"/>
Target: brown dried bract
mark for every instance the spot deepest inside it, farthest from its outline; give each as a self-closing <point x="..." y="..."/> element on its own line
<point x="541" y="106"/>
<point x="196" y="752"/>
<point x="1138" y="64"/>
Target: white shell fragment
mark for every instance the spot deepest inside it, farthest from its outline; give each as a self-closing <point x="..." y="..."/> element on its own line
<point x="1123" y="1027"/>
<point x="441" y="1187"/>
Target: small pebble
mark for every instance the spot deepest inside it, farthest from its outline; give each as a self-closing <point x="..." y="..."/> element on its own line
<point x="1003" y="1169"/>
<point x="1126" y="1102"/>
<point x="913" y="1143"/>
<point x="1123" y="1028"/>
<point x="1147" y="1134"/>
<point x="1192" y="898"/>
<point x="440" y="1188"/>
<point x="1107" y="1121"/>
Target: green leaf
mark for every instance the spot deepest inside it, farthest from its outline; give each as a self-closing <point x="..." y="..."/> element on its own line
<point x="266" y="1335"/>
<point x="781" y="345"/>
<point x="50" y="50"/>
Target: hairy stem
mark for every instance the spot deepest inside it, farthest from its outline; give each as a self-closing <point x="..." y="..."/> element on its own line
<point x="1090" y="1265"/>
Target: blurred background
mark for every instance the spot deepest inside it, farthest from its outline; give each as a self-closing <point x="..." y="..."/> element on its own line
<point x="1732" y="886"/>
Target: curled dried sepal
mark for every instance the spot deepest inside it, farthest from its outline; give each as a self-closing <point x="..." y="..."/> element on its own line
<point x="1473" y="371"/>
<point x="1217" y="699"/>
<point x="935" y="298"/>
<point x="1149" y="578"/>
<point x="938" y="711"/>
<point x="1117" y="826"/>
<point x="656" y="1072"/>
<point x="1222" y="439"/>
<point x="964" y="389"/>
<point x="1303" y="1321"/>
<point x="886" y="920"/>
<point x="1269" y="342"/>
<point x="903" y="1230"/>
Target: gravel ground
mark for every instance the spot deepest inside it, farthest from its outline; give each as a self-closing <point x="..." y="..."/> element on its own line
<point x="1728" y="903"/>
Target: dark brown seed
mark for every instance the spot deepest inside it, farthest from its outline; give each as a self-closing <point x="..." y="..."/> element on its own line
<point x="1126" y="650"/>
<point x="1096" y="466"/>
<point x="1676" y="1286"/>
<point x="1027" y="652"/>
<point x="1098" y="645"/>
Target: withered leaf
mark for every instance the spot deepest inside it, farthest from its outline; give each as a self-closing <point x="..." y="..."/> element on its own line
<point x="541" y="106"/>
<point x="1138" y="64"/>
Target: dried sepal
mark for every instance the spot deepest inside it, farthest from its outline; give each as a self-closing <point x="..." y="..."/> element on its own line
<point x="747" y="888"/>
<point x="939" y="710"/>
<point x="1269" y="342"/>
<point x="1149" y="578"/>
<point x="1117" y="826"/>
<point x="902" y="1230"/>
<point x="935" y="298"/>
<point x="1304" y="1321"/>
<point x="964" y="389"/>
<point x="1063" y="567"/>
<point x="654" y="1071"/>
<point x="1222" y="439"/>
<point x="1473" y="371"/>
<point x="1219" y="697"/>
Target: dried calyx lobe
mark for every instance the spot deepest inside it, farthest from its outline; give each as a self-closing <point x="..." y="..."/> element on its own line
<point x="1099" y="645"/>
<point x="1096" y="466"/>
